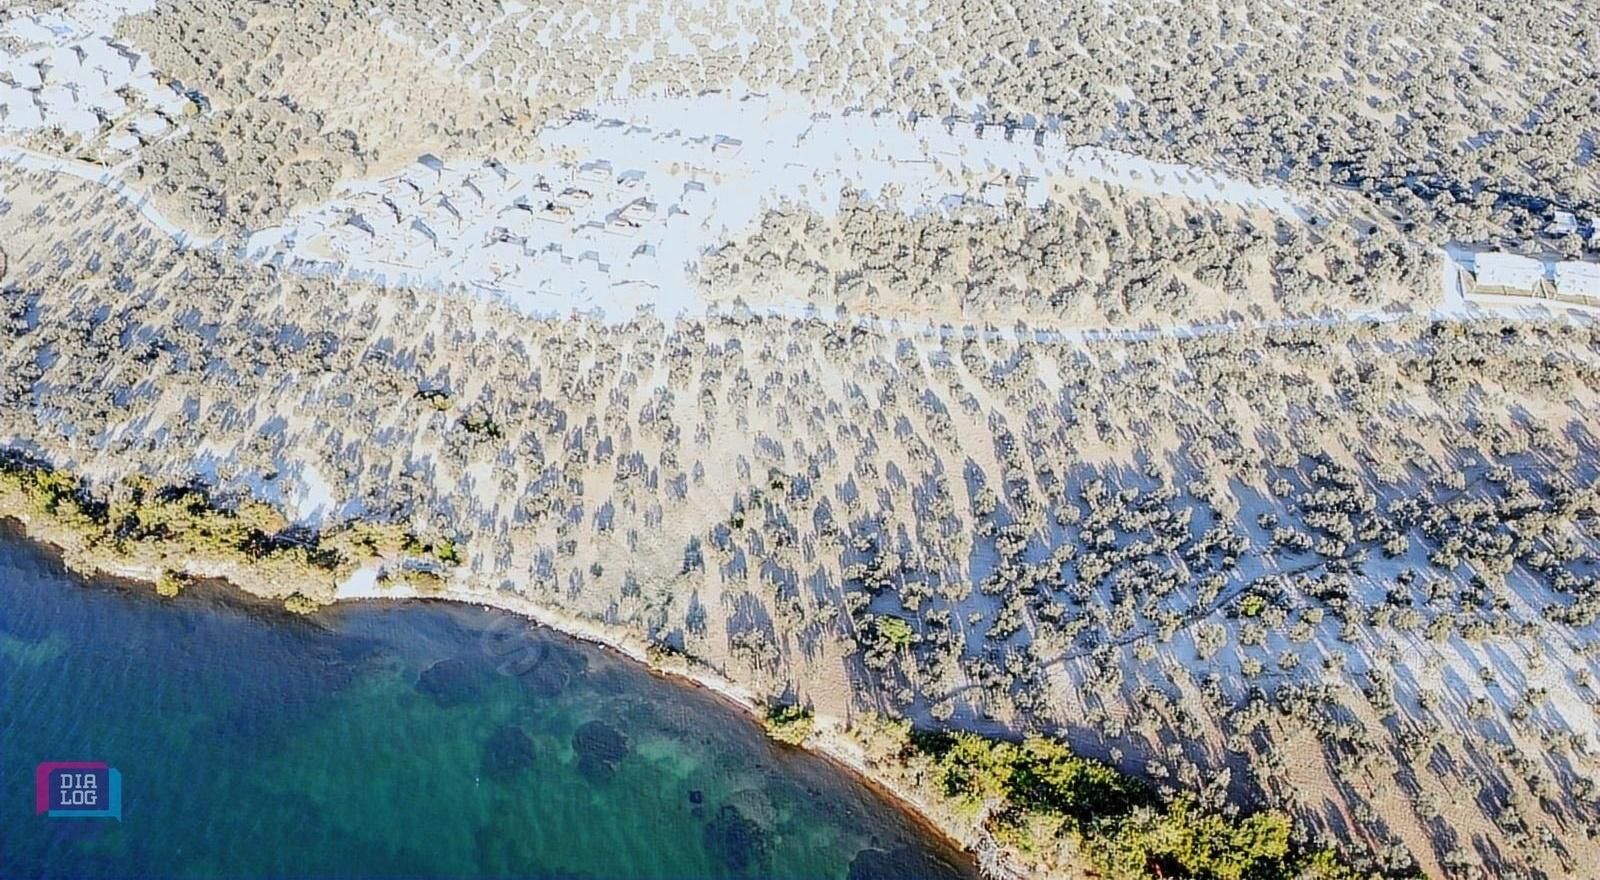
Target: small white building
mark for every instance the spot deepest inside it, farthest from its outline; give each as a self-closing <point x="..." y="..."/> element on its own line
<point x="639" y="211"/>
<point x="149" y="125"/>
<point x="504" y="255"/>
<point x="596" y="173"/>
<point x="1578" y="278"/>
<point x="123" y="143"/>
<point x="555" y="213"/>
<point x="1507" y="271"/>
<point x="694" y="195"/>
<point x="1562" y="223"/>
<point x="25" y="74"/>
<point x="1035" y="194"/>
<point x="622" y="226"/>
<point x="575" y="197"/>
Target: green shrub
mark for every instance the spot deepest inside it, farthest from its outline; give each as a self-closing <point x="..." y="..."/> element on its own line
<point x="895" y="631"/>
<point x="300" y="604"/>
<point x="790" y="724"/>
<point x="480" y="423"/>
<point x="425" y="579"/>
<point x="1252" y="605"/>
<point x="1184" y="840"/>
<point x="436" y="398"/>
<point x="882" y="739"/>
<point x="170" y="584"/>
<point x="373" y="540"/>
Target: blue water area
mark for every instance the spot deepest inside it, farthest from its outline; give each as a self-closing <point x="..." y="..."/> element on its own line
<point x="414" y="740"/>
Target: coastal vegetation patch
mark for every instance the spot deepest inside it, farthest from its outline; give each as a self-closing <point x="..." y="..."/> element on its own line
<point x="1047" y="803"/>
<point x="187" y="528"/>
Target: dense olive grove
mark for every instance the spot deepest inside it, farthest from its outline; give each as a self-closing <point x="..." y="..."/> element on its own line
<point x="1108" y="258"/>
<point x="1346" y="570"/>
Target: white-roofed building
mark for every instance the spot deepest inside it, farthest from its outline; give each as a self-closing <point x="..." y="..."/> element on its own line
<point x="66" y="62"/>
<point x="17" y="109"/>
<point x="639" y="211"/>
<point x="594" y="173"/>
<point x="26" y="76"/>
<point x="150" y="124"/>
<point x="575" y="197"/>
<point x="1577" y="278"/>
<point x="1507" y="271"/>
<point x="123" y="143"/>
<point x="694" y="195"/>
<point x="505" y="255"/>
<point x="1035" y="194"/>
<point x="1562" y="222"/>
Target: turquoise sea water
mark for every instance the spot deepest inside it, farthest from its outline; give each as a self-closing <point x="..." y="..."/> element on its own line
<point x="423" y="740"/>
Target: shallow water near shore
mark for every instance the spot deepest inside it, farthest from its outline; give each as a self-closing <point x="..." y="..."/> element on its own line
<point x="416" y="740"/>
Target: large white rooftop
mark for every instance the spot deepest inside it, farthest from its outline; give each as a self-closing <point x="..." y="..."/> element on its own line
<point x="1579" y="278"/>
<point x="1508" y="270"/>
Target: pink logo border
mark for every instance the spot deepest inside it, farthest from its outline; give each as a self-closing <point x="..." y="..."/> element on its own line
<point x="41" y="779"/>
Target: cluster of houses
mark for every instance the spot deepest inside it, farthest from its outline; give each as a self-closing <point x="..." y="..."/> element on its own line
<point x="553" y="234"/>
<point x="588" y="226"/>
<point x="1517" y="275"/>
<point x="52" y="76"/>
<point x="989" y="131"/>
<point x="501" y="219"/>
<point x="646" y="195"/>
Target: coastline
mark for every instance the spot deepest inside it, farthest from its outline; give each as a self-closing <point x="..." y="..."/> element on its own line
<point x="829" y="740"/>
<point x="1033" y="808"/>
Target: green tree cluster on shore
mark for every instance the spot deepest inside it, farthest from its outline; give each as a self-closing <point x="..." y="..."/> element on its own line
<point x="170" y="584"/>
<point x="188" y="523"/>
<point x="1032" y="795"/>
<point x="790" y="724"/>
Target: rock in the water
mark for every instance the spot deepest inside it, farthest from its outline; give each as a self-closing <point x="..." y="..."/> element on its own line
<point x="600" y="748"/>
<point x="507" y="752"/>
<point x="735" y="841"/>
<point x="755" y="805"/>
<point x="545" y="680"/>
<point x="600" y="741"/>
<point x="548" y="669"/>
<point x="451" y="682"/>
<point x="596" y="770"/>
